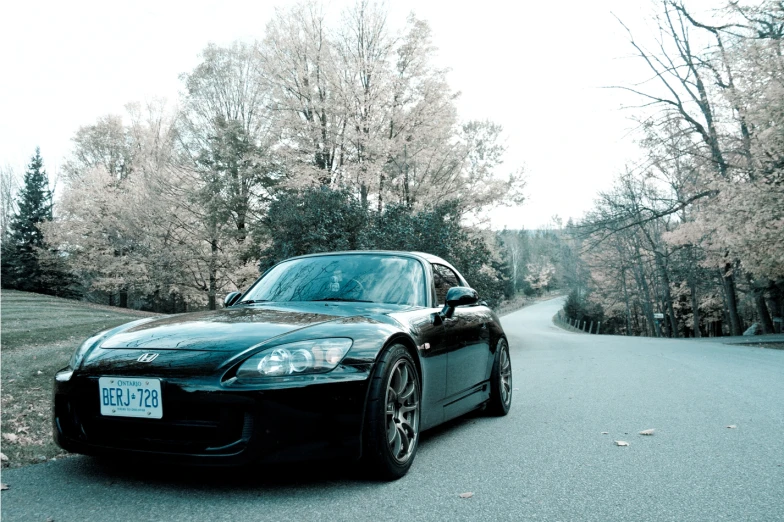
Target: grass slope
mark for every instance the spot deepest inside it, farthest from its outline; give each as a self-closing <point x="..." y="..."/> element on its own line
<point x="38" y="335"/>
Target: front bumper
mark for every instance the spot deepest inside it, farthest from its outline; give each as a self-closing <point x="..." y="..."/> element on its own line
<point x="213" y="425"/>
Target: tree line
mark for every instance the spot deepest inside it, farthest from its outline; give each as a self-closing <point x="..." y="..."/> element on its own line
<point x="690" y="241"/>
<point x="315" y="137"/>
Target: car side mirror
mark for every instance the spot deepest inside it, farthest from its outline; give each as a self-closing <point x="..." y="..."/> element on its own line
<point x="458" y="296"/>
<point x="231" y="298"/>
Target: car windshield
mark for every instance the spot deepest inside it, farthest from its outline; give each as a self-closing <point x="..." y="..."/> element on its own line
<point x="372" y="278"/>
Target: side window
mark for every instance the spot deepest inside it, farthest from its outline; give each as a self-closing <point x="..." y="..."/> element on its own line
<point x="444" y="279"/>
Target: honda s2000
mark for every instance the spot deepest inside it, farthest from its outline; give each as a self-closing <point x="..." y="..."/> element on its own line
<point x="349" y="354"/>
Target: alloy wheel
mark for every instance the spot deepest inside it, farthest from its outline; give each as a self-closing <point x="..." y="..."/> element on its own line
<point x="505" y="375"/>
<point x="402" y="411"/>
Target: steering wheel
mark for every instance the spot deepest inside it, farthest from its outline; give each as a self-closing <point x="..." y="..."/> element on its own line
<point x="353" y="289"/>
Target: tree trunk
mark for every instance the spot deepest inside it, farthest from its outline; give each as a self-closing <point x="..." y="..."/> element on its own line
<point x="380" y="192"/>
<point x="653" y="326"/>
<point x="636" y="317"/>
<point x="626" y="300"/>
<point x="661" y="265"/>
<point x="777" y="296"/>
<point x="728" y="280"/>
<point x="123" y="298"/>
<point x="695" y="308"/>
<point x="671" y="313"/>
<point x="762" y="308"/>
<point x="406" y="188"/>
<point x="213" y="275"/>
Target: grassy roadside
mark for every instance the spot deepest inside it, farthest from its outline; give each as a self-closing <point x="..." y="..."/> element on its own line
<point x="38" y="335"/>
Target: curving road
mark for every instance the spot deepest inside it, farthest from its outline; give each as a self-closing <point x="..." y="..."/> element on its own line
<point x="547" y="460"/>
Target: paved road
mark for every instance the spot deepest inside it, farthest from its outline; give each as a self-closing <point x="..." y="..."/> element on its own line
<point x="547" y="460"/>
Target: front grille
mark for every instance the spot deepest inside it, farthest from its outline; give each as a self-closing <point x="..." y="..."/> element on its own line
<point x="187" y="427"/>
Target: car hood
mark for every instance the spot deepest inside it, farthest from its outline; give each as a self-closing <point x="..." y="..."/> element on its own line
<point x="231" y="329"/>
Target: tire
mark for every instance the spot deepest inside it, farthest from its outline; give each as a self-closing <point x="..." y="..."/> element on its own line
<point x="391" y="433"/>
<point x="501" y="381"/>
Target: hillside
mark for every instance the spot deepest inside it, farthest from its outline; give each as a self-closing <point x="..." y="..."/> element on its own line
<point x="38" y="335"/>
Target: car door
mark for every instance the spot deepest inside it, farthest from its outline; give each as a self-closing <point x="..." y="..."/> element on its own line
<point x="467" y="338"/>
<point x="432" y="347"/>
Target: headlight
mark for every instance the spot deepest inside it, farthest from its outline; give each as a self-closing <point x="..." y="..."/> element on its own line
<point x="317" y="356"/>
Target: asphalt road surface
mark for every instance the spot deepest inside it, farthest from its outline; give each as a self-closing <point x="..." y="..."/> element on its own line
<point x="547" y="460"/>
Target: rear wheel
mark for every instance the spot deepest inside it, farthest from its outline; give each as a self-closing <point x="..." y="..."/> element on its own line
<point x="501" y="381"/>
<point x="392" y="416"/>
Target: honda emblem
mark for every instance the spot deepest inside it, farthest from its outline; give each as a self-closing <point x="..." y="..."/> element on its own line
<point x="147" y="357"/>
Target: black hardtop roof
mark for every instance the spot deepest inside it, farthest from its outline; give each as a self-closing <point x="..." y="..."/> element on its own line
<point x="427" y="257"/>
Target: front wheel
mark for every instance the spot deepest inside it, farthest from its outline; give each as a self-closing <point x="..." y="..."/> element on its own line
<point x="392" y="416"/>
<point x="501" y="381"/>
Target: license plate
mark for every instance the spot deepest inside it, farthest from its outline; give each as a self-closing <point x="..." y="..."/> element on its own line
<point x="130" y="397"/>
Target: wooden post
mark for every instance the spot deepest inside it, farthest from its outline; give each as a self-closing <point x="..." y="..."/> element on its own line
<point x="598" y="325"/>
<point x="590" y="327"/>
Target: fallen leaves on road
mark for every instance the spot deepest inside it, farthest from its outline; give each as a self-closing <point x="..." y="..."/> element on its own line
<point x="3" y="486"/>
<point x="39" y="372"/>
<point x="467" y="494"/>
<point x="605" y="433"/>
<point x="11" y="437"/>
<point x="621" y="443"/>
<point x="648" y="432"/>
<point x="732" y="426"/>
<point x="3" y="457"/>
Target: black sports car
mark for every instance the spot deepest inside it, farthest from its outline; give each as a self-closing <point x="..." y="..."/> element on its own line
<point x="348" y="354"/>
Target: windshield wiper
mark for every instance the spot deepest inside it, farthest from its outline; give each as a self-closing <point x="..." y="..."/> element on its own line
<point x="342" y="299"/>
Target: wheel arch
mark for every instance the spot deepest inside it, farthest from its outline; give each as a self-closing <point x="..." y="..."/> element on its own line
<point x="410" y="346"/>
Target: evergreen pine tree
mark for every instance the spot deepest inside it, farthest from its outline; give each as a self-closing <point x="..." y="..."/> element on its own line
<point x="21" y="268"/>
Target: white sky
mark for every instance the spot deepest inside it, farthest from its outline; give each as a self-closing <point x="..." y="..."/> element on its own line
<point x="537" y="68"/>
